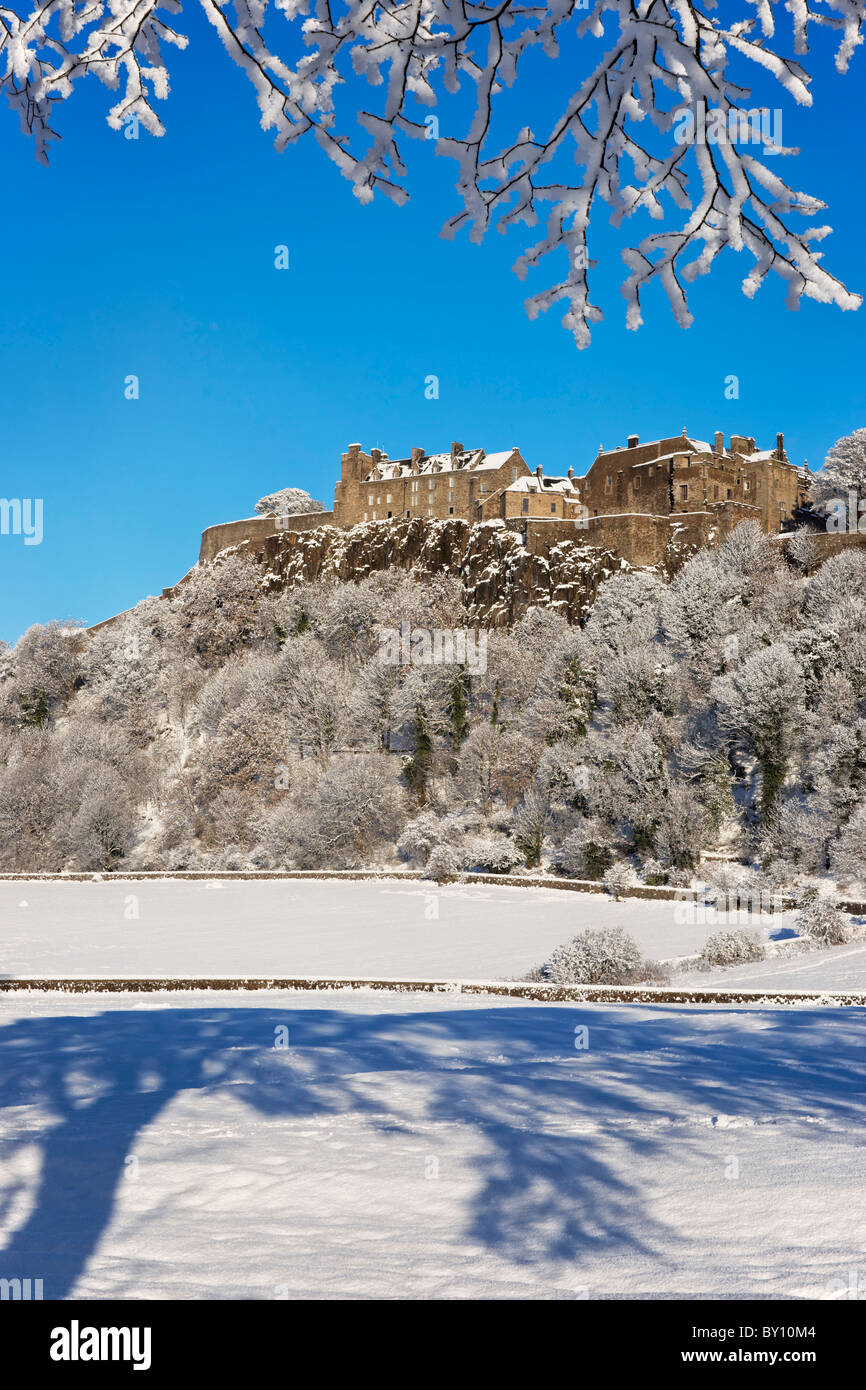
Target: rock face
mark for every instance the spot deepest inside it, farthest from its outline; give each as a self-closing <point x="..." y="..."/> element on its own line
<point x="501" y="578"/>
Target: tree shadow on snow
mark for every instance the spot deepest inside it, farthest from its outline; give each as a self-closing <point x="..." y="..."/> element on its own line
<point x="553" y="1129"/>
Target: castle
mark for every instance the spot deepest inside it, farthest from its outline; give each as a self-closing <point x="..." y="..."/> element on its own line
<point x="554" y="538"/>
<point x="635" y="498"/>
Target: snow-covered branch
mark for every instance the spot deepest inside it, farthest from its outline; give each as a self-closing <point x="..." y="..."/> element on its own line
<point x="651" y="124"/>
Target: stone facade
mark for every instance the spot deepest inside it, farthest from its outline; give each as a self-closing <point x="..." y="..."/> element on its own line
<point x="373" y="487"/>
<point x="638" y="499"/>
<point x="681" y="476"/>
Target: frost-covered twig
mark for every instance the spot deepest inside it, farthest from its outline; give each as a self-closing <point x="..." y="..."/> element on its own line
<point x="656" y="126"/>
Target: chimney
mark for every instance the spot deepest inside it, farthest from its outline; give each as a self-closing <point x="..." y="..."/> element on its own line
<point x="570" y="471"/>
<point x="632" y="441"/>
<point x="539" y="472"/>
<point x="719" y="442"/>
<point x="417" y="454"/>
<point x="780" y="446"/>
<point x="375" y="455"/>
<point x="456" y="449"/>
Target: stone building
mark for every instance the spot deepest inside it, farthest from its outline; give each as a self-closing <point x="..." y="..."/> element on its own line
<point x="373" y="487"/>
<point x="669" y="477"/>
<point x="685" y="482"/>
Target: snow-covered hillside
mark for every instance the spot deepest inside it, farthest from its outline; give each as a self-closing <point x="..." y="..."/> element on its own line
<point x="424" y="1147"/>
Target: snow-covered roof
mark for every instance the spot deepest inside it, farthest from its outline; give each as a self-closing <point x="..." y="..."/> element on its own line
<point x="532" y="483"/>
<point x="671" y="444"/>
<point x="761" y="456"/>
<point x="469" y="460"/>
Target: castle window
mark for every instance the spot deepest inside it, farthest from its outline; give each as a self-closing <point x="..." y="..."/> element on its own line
<point x="450" y="511"/>
<point x="716" y="493"/>
<point x="608" y="482"/>
<point x="370" y="500"/>
<point x="730" y="494"/>
<point x="431" y="484"/>
<point x="637" y="483"/>
<point x="388" y="498"/>
<point x="366" y="516"/>
<point x="525" y="504"/>
<point x="553" y="506"/>
<point x="746" y="485"/>
<point x="684" y="492"/>
<point x="414" y="484"/>
<point x="514" y="475"/>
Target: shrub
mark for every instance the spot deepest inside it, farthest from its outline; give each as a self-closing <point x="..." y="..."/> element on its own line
<point x="733" y="948"/>
<point x="823" y="920"/>
<point x="418" y="837"/>
<point x="654" y="872"/>
<point x="617" y="880"/>
<point x="586" y="852"/>
<point x="445" y="863"/>
<point x="496" y="855"/>
<point x="597" y="956"/>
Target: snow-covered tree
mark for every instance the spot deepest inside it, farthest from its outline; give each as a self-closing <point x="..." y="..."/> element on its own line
<point x="625" y="613"/>
<point x="763" y="704"/>
<point x="530" y="823"/>
<point x="289" y="501"/>
<point x="357" y="807"/>
<point x="653" y="120"/>
<point x="844" y="471"/>
<point x="849" y="851"/>
<point x="823" y="920"/>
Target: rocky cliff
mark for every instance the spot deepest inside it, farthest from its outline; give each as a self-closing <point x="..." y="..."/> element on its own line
<point x="501" y="578"/>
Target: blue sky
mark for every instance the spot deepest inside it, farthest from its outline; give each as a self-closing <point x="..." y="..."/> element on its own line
<point x="156" y="257"/>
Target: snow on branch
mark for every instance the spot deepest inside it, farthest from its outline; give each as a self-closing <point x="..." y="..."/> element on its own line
<point x="656" y="127"/>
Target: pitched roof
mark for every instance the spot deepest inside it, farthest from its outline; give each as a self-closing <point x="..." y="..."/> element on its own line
<point x="469" y="460"/>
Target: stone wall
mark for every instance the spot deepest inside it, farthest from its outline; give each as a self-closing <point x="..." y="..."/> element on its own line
<point x="254" y="530"/>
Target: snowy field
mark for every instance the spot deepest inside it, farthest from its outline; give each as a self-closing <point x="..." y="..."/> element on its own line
<point x="368" y="929"/>
<point x="833" y="968"/>
<point x="428" y="1146"/>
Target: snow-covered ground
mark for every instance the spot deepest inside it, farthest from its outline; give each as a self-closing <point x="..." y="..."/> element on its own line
<point x="428" y="1146"/>
<point x="294" y="927"/>
<point x="832" y="968"/>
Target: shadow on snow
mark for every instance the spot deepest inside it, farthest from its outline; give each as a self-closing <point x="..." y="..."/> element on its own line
<point x="553" y="1129"/>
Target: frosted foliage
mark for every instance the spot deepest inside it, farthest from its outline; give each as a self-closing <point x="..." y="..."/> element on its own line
<point x="598" y="956"/>
<point x="365" y="79"/>
<point x="844" y="471"/>
<point x="733" y="948"/>
<point x="289" y="501"/>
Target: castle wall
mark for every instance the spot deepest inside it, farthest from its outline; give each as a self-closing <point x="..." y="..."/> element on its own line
<point x="255" y="530"/>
